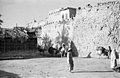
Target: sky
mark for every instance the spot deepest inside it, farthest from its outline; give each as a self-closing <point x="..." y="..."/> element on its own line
<point x="21" y="12"/>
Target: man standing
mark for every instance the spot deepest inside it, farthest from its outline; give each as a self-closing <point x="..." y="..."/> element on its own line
<point x="113" y="59"/>
<point x="70" y="58"/>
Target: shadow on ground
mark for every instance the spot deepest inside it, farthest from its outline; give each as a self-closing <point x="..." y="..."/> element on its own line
<point x="4" y="74"/>
<point x="91" y="71"/>
<point x="13" y="56"/>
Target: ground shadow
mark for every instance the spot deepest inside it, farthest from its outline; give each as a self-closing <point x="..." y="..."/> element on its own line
<point x="4" y="74"/>
<point x="90" y="71"/>
<point x="75" y="51"/>
<point x="28" y="57"/>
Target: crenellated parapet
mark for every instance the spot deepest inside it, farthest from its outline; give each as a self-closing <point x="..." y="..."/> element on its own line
<point x="109" y="3"/>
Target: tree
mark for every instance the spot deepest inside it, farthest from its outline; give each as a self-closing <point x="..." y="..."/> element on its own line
<point x="1" y="21"/>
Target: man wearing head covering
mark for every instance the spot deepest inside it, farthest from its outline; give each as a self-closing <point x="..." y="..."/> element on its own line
<point x="113" y="60"/>
<point x="70" y="58"/>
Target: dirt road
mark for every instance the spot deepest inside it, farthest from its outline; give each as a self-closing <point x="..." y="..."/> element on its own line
<point x="56" y="68"/>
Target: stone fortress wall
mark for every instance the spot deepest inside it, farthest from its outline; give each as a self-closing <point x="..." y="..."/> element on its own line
<point x="97" y="26"/>
<point x="57" y="24"/>
<point x="88" y="28"/>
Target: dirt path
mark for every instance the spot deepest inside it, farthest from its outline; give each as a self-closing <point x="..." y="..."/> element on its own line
<point x="56" y="68"/>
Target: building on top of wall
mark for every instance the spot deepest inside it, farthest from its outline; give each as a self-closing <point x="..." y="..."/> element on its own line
<point x="61" y="14"/>
<point x="32" y="24"/>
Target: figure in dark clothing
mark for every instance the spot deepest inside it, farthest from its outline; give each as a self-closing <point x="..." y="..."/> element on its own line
<point x="63" y="50"/>
<point x="70" y="59"/>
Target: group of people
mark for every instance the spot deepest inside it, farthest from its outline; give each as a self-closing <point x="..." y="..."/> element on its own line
<point x="113" y="58"/>
<point x="69" y="52"/>
<point x="114" y="55"/>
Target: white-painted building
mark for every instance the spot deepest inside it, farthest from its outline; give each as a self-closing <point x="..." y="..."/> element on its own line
<point x="61" y="14"/>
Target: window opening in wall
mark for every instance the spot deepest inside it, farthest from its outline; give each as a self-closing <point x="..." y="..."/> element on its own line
<point x="97" y="9"/>
<point x="79" y="8"/>
<point x="62" y="16"/>
<point x="66" y="16"/>
<point x="119" y="7"/>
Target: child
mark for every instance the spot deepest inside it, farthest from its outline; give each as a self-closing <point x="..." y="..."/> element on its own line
<point x="70" y="59"/>
<point x="63" y="50"/>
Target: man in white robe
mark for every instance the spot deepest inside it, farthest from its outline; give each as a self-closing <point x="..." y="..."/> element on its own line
<point x="113" y="59"/>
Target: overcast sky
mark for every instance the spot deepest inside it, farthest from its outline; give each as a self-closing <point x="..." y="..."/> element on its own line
<point x="24" y="11"/>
